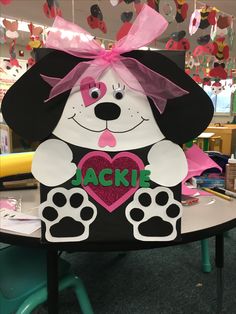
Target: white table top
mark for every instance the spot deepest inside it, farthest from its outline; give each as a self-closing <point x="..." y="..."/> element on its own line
<point x="209" y="212"/>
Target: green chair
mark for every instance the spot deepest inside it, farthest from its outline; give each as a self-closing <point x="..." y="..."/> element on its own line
<point x="23" y="281"/>
<point x="206" y="264"/>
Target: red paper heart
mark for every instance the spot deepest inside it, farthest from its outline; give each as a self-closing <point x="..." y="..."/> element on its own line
<point x="113" y="196"/>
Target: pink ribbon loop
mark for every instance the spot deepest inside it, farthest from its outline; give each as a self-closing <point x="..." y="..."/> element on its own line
<point x="74" y="40"/>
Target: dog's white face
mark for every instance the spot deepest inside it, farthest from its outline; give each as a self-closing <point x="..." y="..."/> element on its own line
<point x="108" y="116"/>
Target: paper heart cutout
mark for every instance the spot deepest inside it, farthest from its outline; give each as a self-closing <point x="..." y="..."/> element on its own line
<point x="203" y="40"/>
<point x="11" y="26"/>
<point x="96" y="12"/>
<point x="86" y="86"/>
<point x="110" y="197"/>
<point x="224" y="21"/>
<point x="126" y="16"/>
<point x="177" y="36"/>
<point x="194" y="22"/>
<point x="123" y="31"/>
<point x="107" y="139"/>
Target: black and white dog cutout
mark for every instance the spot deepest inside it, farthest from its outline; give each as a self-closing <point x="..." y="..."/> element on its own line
<point x="109" y="171"/>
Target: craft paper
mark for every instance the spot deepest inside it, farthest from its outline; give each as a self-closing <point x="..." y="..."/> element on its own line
<point x="194" y="22"/>
<point x="167" y="8"/>
<point x="182" y="10"/>
<point x="198" y="162"/>
<point x="18" y="222"/>
<point x="110" y="161"/>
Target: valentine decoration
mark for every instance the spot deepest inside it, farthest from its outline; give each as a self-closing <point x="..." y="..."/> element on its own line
<point x="204" y="46"/>
<point x="196" y="77"/>
<point x="95" y="20"/>
<point x="51" y="9"/>
<point x="224" y="21"/>
<point x="167" y="9"/>
<point x="11" y="29"/>
<point x="217" y="87"/>
<point x="35" y="40"/>
<point x="182" y="10"/>
<point x="138" y="6"/>
<point x="206" y="81"/>
<point x="115" y="2"/>
<point x="12" y="34"/>
<point x="110" y="162"/>
<point x="5" y="2"/>
<point x="154" y="4"/>
<point x="218" y="71"/>
<point x="194" y="22"/>
<point x="2" y="35"/>
<point x="208" y="16"/>
<point x="178" y="41"/>
<point x="220" y="49"/>
<point x="126" y="17"/>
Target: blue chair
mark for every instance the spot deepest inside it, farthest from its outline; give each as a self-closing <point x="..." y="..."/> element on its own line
<point x="23" y="281"/>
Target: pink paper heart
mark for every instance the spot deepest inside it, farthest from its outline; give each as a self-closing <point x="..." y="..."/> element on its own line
<point x="87" y="84"/>
<point x="110" y="197"/>
<point x="107" y="139"/>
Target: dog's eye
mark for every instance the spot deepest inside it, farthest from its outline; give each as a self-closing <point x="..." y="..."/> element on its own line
<point x="94" y="92"/>
<point x="118" y="93"/>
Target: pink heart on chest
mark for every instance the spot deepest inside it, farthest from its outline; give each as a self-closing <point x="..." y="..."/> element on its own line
<point x="110" y="197"/>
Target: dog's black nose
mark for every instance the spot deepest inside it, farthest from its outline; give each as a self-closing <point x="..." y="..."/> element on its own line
<point x="107" y="111"/>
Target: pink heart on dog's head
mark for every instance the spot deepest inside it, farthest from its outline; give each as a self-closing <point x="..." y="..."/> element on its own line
<point x="92" y="91"/>
<point x="110" y="197"/>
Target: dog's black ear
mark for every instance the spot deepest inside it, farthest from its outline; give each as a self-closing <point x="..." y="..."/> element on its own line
<point x="184" y="117"/>
<point x="23" y="106"/>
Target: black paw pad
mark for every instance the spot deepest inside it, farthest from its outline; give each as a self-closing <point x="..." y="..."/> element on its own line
<point x="67" y="215"/>
<point x="154" y="214"/>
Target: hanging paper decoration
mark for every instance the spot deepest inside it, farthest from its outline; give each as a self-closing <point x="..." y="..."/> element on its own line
<point x="220" y="49"/>
<point x="95" y="20"/>
<point x="208" y="16"/>
<point x="196" y="77"/>
<point x="204" y="46"/>
<point x="12" y="68"/>
<point x="206" y="81"/>
<point x="2" y="35"/>
<point x="194" y="22"/>
<point x="11" y="29"/>
<point x="5" y="2"/>
<point x="12" y="33"/>
<point x="35" y="40"/>
<point x="138" y="6"/>
<point x="178" y="41"/>
<point x="167" y="9"/>
<point x="213" y="31"/>
<point x="217" y="87"/>
<point x="51" y="9"/>
<point x="182" y="10"/>
<point x="126" y="17"/>
<point x="190" y="62"/>
<point x="224" y="21"/>
<point x="218" y="71"/>
<point x="115" y="2"/>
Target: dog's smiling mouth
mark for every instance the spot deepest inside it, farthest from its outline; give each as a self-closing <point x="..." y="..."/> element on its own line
<point x="106" y="128"/>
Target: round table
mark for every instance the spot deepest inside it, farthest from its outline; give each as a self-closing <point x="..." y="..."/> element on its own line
<point x="212" y="216"/>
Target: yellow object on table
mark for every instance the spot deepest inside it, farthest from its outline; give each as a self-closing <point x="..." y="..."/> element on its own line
<point x="16" y="163"/>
